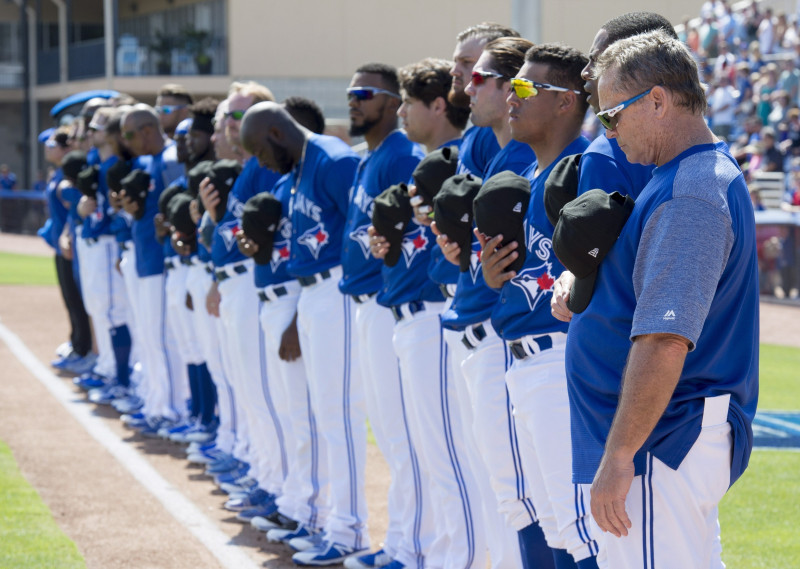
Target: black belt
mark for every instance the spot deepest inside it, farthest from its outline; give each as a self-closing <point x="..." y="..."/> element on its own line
<point x="522" y="349"/>
<point x="314" y="279"/>
<point x="222" y="274"/>
<point x="362" y="298"/>
<point x="123" y="246"/>
<point x="279" y="291"/>
<point x="186" y="261"/>
<point x="168" y="264"/>
<point x="445" y="288"/>
<point x="91" y="240"/>
<point x="209" y="269"/>
<point x="399" y="310"/>
<point x="473" y="336"/>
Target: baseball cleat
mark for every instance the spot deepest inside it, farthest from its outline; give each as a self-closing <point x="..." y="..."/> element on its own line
<point x="287" y="535"/>
<point x="274" y="520"/>
<point x="325" y="553"/>
<point x="369" y="561"/>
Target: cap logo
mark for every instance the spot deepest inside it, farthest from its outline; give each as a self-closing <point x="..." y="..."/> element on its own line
<point x="517" y="208"/>
<point x="398" y="225"/>
<point x="594" y="252"/>
<point x="465" y="218"/>
<point x="229" y="182"/>
<point x="271" y="227"/>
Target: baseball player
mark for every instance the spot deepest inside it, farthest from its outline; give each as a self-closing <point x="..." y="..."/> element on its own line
<point x="162" y="366"/>
<point x="668" y="429"/>
<point x="485" y="365"/>
<point x="374" y="97"/>
<point x="324" y="168"/>
<point x="547" y="109"/>
<point x="103" y="287"/>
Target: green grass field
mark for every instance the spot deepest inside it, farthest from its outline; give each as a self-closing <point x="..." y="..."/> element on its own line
<point x="29" y="537"/>
<point x="757" y="515"/>
<point x="27" y="270"/>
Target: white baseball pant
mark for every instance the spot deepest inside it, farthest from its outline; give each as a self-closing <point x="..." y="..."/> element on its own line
<point x="198" y="282"/>
<point x="538" y="389"/>
<point x="127" y="266"/>
<point x="675" y="512"/>
<point x="325" y="325"/>
<point x="386" y="409"/>
<point x="300" y="496"/>
<point x="437" y="435"/>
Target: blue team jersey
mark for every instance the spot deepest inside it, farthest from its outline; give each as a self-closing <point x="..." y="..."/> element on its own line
<point x="392" y="162"/>
<point x="651" y="282"/>
<point x="476" y="150"/>
<point x="604" y="166"/>
<point x="524" y="304"/>
<point x="58" y="212"/>
<point x="253" y="180"/>
<point x="275" y="272"/>
<point x="319" y="204"/>
<point x="474" y="300"/>
<point x="149" y="252"/>
<point x="99" y="222"/>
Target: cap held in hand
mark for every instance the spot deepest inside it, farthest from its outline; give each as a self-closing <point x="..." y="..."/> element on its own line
<point x="433" y="170"/>
<point x="391" y="213"/>
<point x="261" y="218"/>
<point x="452" y="212"/>
<point x="500" y="208"/>
<point x="586" y="231"/>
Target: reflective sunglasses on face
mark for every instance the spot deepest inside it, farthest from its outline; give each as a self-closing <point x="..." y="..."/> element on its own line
<point x="608" y="117"/>
<point x="368" y="93"/>
<point x="235" y="115"/>
<point x="524" y="88"/>
<point x="129" y="134"/>
<point x="168" y="109"/>
<point x="480" y="77"/>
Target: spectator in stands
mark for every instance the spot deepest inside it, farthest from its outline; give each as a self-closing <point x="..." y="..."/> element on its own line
<point x="755" y="197"/>
<point x="40" y="185"/>
<point x="8" y="180"/>
<point x="766" y="33"/>
<point x="762" y="91"/>
<point x="771" y="156"/>
<point x="722" y="108"/>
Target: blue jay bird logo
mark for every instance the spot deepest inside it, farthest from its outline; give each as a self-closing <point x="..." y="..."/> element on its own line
<point x="315" y="239"/>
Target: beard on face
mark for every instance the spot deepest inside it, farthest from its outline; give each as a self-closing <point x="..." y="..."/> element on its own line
<point x="363" y="128"/>
<point x="458" y="99"/>
<point x="282" y="158"/>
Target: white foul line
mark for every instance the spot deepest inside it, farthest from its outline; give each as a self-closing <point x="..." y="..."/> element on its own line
<point x="180" y="507"/>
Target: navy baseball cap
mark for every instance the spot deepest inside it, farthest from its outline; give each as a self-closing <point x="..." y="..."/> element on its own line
<point x="261" y="217"/>
<point x="223" y="175"/>
<point x="586" y="231"/>
<point x="433" y="170"/>
<point x="391" y="214"/>
<point x="452" y="212"/>
<point x="561" y="186"/>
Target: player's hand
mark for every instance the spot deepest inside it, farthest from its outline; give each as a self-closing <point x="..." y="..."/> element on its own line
<point x="213" y="298"/>
<point x="558" y="302"/>
<point x="189" y="303"/>
<point x="210" y="197"/>
<point x="494" y="261"/>
<point x="114" y="200"/>
<point x="378" y="245"/>
<point x="289" y="349"/>
<point x="194" y="211"/>
<point x="420" y="211"/>
<point x="247" y="246"/>
<point x="161" y="225"/>
<point x="118" y="266"/>
<point x="86" y="206"/>
<point x="609" y="489"/>
<point x="128" y="204"/>
<point x="181" y="247"/>
<point x="451" y="249"/>
<point x="65" y="245"/>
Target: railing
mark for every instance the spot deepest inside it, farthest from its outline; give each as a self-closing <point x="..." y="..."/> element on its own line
<point x="87" y="60"/>
<point x="22" y="211"/>
<point x="47" y="68"/>
<point x="143" y="55"/>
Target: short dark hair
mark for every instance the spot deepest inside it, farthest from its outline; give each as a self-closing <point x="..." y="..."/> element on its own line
<point x="565" y="65"/>
<point x="508" y="54"/>
<point x="429" y="79"/>
<point x="488" y="31"/>
<point x="306" y="112"/>
<point x="387" y="72"/>
<point x="634" y="23"/>
<point x="176" y="91"/>
<point x="205" y="106"/>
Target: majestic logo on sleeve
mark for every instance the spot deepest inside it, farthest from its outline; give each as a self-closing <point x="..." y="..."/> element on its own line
<point x="414" y="242"/>
<point x="315" y="239"/>
<point x="225" y="231"/>
<point x="281" y="247"/>
<point x="360" y="236"/>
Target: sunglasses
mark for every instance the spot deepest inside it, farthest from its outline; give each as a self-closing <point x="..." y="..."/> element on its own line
<point x="235" y="115"/>
<point x="129" y="134"/>
<point x="525" y="88"/>
<point x="368" y="93"/>
<point x="169" y="109"/>
<point x="608" y="117"/>
<point x="480" y="77"/>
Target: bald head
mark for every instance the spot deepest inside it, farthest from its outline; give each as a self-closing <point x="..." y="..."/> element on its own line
<point x="270" y="133"/>
<point x="141" y="130"/>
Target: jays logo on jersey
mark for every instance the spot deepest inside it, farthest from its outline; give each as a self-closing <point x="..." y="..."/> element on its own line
<point x="281" y="248"/>
<point x="315" y="239"/>
<point x="361" y="237"/>
<point x="414" y="242"/>
<point x="535" y="283"/>
<point x="225" y="231"/>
